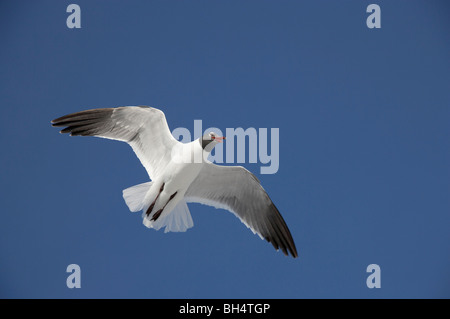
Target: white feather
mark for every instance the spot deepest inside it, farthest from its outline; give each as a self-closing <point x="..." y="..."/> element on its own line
<point x="178" y="220"/>
<point x="134" y="196"/>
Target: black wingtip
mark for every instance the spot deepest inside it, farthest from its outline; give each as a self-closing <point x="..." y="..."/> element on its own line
<point x="282" y="234"/>
<point x="292" y="251"/>
<point x="287" y="251"/>
<point x="294" y="254"/>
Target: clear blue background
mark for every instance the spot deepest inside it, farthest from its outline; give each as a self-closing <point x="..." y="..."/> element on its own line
<point x="364" y="152"/>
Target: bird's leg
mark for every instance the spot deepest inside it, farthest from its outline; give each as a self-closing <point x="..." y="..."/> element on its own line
<point x="150" y="208"/>
<point x="158" y="213"/>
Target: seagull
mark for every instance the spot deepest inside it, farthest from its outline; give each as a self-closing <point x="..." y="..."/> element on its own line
<point x="180" y="173"/>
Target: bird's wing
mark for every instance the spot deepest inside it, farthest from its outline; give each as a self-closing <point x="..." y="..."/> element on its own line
<point x="236" y="189"/>
<point x="144" y="128"/>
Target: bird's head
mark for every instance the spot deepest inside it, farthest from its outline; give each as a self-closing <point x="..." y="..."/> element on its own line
<point x="208" y="141"/>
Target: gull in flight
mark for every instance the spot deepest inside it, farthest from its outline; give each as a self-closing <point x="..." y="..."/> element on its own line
<point x="180" y="173"/>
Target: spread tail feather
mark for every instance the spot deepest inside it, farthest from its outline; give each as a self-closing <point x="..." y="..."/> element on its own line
<point x="178" y="220"/>
<point x="134" y="196"/>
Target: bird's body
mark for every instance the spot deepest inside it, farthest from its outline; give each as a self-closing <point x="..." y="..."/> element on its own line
<point x="181" y="173"/>
<point x="178" y="175"/>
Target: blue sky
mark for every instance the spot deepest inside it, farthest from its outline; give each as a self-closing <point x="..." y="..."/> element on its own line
<point x="364" y="171"/>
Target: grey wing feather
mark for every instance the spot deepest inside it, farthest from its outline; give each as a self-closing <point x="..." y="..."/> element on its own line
<point x="236" y="189"/>
<point x="144" y="128"/>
